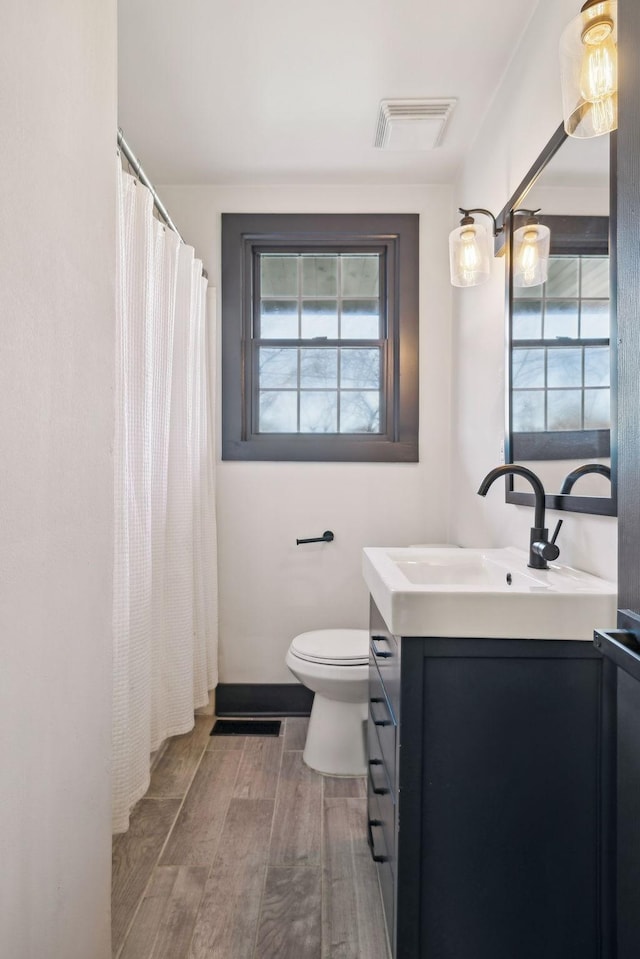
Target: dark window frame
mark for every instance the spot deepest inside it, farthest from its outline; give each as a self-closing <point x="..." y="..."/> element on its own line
<point x="397" y="236"/>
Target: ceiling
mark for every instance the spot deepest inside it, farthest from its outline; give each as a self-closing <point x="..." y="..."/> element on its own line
<point x="286" y="91"/>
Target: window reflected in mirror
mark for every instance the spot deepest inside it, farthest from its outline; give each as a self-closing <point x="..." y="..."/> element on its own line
<point x="561" y="351"/>
<point x="560" y="355"/>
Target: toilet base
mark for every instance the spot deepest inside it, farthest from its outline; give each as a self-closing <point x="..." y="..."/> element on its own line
<point x="336" y="738"/>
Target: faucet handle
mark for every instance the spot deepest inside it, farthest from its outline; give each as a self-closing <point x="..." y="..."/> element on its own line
<point x="547" y="549"/>
<point x="555" y="533"/>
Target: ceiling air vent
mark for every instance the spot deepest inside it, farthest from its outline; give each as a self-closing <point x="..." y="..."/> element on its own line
<point x="412" y="124"/>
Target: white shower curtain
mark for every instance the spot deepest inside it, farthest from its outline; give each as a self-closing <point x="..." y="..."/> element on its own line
<point x="165" y="578"/>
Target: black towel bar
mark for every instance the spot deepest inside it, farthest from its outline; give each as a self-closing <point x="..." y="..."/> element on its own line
<point x="327" y="537"/>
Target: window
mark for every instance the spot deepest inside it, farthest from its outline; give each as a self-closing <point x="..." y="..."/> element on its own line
<point x="320" y="337"/>
<point x="560" y="361"/>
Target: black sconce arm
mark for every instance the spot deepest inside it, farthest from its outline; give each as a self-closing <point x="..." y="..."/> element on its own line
<point x="467" y="213"/>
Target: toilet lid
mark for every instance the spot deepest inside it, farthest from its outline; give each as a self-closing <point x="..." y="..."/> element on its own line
<point x="341" y="647"/>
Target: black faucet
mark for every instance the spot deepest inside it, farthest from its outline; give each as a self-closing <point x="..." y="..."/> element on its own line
<point x="570" y="478"/>
<point x="541" y="548"/>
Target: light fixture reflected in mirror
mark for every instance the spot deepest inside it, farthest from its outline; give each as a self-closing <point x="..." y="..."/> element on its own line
<point x="531" y="244"/>
<point x="470" y="249"/>
<point x="589" y="70"/>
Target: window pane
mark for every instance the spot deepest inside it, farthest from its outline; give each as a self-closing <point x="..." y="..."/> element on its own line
<point x="277" y="368"/>
<point x="528" y="411"/>
<point x="527" y="319"/>
<point x="360" y="320"/>
<point x="564" y="368"/>
<point x="319" y="368"/>
<point x="278" y="412"/>
<point x="278" y="275"/>
<point x="528" y="368"/>
<point x="279" y="319"/>
<point x="597" y="415"/>
<point x="319" y="318"/>
<point x="360" y="412"/>
<point x="360" y="369"/>
<point x="595" y="276"/>
<point x="320" y="275"/>
<point x="561" y="319"/>
<point x="564" y="410"/>
<point x="527" y="292"/>
<point x="596" y="366"/>
<point x="563" y="276"/>
<point x="360" y="275"/>
<point x="318" y="412"/>
<point x="594" y="322"/>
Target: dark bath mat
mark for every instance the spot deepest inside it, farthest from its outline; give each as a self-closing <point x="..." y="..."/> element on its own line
<point x="246" y="727"/>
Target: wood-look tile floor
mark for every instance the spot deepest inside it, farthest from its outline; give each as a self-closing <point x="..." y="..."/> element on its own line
<point x="240" y="851"/>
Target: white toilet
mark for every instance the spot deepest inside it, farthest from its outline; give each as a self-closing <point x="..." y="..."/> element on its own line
<point x="334" y="664"/>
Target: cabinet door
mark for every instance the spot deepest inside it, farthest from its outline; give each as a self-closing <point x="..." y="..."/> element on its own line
<point x="510" y="802"/>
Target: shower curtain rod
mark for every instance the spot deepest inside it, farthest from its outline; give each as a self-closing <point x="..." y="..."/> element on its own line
<point x="136" y="166"/>
<point x="142" y="176"/>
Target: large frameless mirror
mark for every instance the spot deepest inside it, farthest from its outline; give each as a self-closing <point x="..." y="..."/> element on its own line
<point x="560" y="343"/>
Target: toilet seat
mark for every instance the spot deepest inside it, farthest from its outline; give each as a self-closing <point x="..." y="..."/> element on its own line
<point x="333" y="647"/>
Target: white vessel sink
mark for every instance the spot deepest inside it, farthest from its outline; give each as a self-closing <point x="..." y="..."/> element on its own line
<point x="435" y="591"/>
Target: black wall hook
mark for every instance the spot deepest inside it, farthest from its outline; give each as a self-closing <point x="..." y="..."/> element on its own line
<point x="327" y="537"/>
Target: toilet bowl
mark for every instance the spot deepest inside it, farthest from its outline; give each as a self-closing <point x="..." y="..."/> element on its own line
<point x="333" y="663"/>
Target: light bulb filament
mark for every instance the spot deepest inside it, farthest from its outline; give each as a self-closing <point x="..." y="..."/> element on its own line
<point x="529" y="259"/>
<point x="470" y="257"/>
<point x="598" y="75"/>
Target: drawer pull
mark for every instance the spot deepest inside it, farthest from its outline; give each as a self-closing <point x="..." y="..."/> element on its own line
<point x="379" y="653"/>
<point x="378" y="790"/>
<point x="379" y="722"/>
<point x="371" y="824"/>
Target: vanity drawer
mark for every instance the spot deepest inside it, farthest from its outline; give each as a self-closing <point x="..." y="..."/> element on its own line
<point x="382" y="724"/>
<point x="379" y="783"/>
<point x="378" y="831"/>
<point x="384" y="651"/>
<point x="384" y="863"/>
<point x="382" y="810"/>
<point x="386" y="878"/>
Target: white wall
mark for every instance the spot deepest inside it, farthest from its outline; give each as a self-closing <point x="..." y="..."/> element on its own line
<point x="57" y="267"/>
<point x="270" y="589"/>
<point x="522" y="117"/>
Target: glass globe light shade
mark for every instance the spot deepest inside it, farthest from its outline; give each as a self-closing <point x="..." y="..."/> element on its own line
<point x="531" y="244"/>
<point x="469" y="254"/>
<point x="589" y="70"/>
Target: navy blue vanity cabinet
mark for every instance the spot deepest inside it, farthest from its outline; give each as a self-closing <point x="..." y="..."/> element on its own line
<point x="489" y="796"/>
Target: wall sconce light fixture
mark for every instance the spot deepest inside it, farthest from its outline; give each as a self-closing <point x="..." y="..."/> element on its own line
<point x="470" y="250"/>
<point x="589" y="70"/>
<point x="531" y="244"/>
